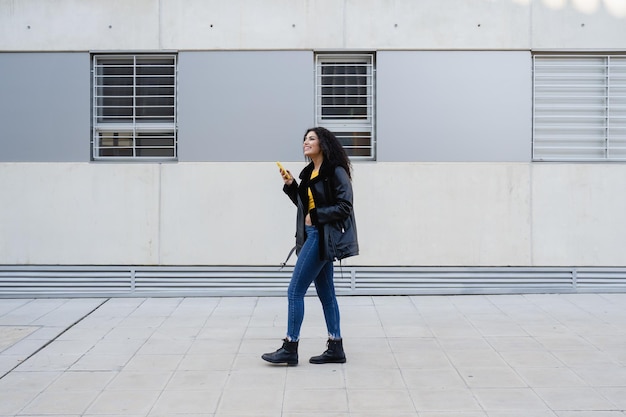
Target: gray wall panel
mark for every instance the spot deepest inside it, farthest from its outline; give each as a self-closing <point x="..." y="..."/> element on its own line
<point x="454" y="106"/>
<point x="45" y="107"/>
<point x="244" y="105"/>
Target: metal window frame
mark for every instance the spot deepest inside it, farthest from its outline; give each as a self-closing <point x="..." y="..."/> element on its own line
<point x="614" y="125"/>
<point x="134" y="128"/>
<point x="346" y="125"/>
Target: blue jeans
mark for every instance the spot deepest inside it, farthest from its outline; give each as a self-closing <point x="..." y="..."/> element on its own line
<point x="309" y="268"/>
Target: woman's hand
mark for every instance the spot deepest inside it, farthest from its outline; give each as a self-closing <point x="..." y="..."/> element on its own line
<point x="307" y="220"/>
<point x="287" y="177"/>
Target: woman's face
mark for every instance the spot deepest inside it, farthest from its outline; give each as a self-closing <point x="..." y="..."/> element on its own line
<point x="311" y="145"/>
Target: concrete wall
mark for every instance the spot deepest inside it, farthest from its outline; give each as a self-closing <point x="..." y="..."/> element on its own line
<point x="431" y="214"/>
<point x="315" y="24"/>
<point x="458" y="200"/>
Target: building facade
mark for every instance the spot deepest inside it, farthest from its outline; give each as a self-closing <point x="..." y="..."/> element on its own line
<point x="488" y="137"/>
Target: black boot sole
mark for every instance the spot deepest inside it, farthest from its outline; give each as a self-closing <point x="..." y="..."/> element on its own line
<point x="278" y="362"/>
<point x="323" y="361"/>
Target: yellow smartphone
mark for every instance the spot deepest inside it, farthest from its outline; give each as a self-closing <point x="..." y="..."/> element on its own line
<point x="282" y="169"/>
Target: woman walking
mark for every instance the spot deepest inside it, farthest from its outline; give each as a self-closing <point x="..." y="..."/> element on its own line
<point x="325" y="231"/>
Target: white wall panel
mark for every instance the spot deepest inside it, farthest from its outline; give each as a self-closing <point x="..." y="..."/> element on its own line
<point x="408" y="214"/>
<point x="578" y="214"/>
<point x="74" y="213"/>
<point x="443" y="214"/>
<point x="225" y="214"/>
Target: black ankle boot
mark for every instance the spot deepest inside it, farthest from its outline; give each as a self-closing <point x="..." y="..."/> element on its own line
<point x="333" y="354"/>
<point x="288" y="354"/>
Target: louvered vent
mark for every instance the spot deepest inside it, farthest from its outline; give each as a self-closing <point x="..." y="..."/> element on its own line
<point x="163" y="281"/>
<point x="21" y="281"/>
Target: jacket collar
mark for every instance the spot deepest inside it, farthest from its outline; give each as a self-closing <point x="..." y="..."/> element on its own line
<point x="326" y="170"/>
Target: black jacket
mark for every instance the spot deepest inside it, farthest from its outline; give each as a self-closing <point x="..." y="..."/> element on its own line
<point x="333" y="214"/>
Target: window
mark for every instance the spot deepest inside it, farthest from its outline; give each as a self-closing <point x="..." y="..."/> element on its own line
<point x="579" y="107"/>
<point x="134" y="107"/>
<point x="344" y="100"/>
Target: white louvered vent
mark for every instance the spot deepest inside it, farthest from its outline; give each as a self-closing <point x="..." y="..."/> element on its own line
<point x="579" y="107"/>
<point x="110" y="281"/>
<point x="63" y="281"/>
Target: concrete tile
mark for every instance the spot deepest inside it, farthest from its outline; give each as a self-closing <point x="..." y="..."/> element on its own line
<point x="52" y="402"/>
<point x="574" y="399"/>
<point x="212" y="346"/>
<point x="42" y="362"/>
<point x="531" y="359"/>
<point x="446" y="399"/>
<point x="585" y="358"/>
<point x="198" y="379"/>
<point x="590" y="413"/>
<point x="355" y="332"/>
<point x="164" y="347"/>
<point x="81" y="381"/>
<point x="309" y="377"/>
<point x="13" y="401"/>
<point x="372" y="345"/>
<point x="366" y="360"/>
<point x="384" y="379"/>
<point x="515" y="343"/>
<point x="185" y="402"/>
<point x="509" y="399"/>
<point x="433" y="379"/>
<point x="565" y="342"/>
<point x="469" y="358"/>
<point x="381" y="400"/>
<point x="454" y="343"/>
<point x="416" y="330"/>
<point x="617" y="395"/>
<point x="28" y="381"/>
<point x="154" y="362"/>
<point x="550" y="377"/>
<point x="123" y="402"/>
<point x="492" y="378"/>
<point x="452" y="414"/>
<point x="115" y="347"/>
<point x="140" y="380"/>
<point x="418" y="360"/>
<point x="492" y="325"/>
<point x="426" y="359"/>
<point x="602" y="375"/>
<point x="9" y="362"/>
<point x="93" y="362"/>
<point x="272" y="378"/>
<point x="410" y="344"/>
<point x="256" y="398"/>
<point x="522" y="413"/>
<point x="208" y="362"/>
<point x="9" y="335"/>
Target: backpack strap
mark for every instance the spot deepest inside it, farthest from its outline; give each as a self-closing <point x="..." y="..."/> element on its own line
<point x="282" y="265"/>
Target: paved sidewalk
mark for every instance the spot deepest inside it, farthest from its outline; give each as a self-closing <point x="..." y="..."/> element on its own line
<point x="422" y="356"/>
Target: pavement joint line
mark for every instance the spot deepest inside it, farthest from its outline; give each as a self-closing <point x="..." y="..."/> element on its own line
<point x="55" y="338"/>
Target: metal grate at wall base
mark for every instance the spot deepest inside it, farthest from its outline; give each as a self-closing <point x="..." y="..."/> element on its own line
<point x="25" y="281"/>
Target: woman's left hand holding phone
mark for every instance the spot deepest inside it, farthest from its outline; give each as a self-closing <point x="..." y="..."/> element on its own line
<point x="287" y="177"/>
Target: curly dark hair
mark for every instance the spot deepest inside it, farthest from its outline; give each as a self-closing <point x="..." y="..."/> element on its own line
<point x="331" y="148"/>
